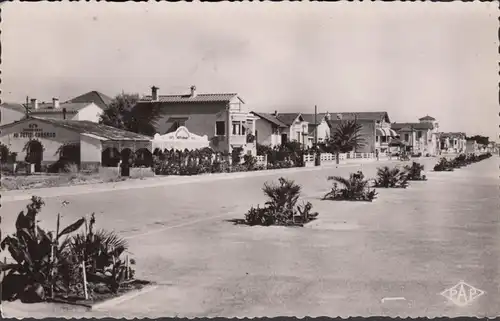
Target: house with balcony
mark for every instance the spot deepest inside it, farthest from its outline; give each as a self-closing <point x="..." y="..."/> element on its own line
<point x="318" y="125"/>
<point x="421" y="137"/>
<point x="375" y="129"/>
<point x="452" y="142"/>
<point x="222" y="117"/>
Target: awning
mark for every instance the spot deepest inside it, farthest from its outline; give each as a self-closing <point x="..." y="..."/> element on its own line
<point x="386" y="132"/>
<point x="397" y="142"/>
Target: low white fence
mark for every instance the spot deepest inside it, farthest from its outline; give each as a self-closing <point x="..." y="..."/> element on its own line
<point x="326" y="157"/>
<point x="261" y="160"/>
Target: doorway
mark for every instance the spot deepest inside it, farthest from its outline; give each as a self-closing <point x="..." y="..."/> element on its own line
<point x="34" y="154"/>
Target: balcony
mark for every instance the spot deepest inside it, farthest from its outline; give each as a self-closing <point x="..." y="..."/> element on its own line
<point x="239" y="140"/>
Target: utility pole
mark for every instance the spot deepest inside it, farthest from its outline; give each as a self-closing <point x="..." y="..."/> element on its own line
<point x="317" y="153"/>
<point x="316" y="125"/>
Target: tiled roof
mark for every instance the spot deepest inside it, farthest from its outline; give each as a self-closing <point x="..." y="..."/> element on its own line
<point x="95" y="97"/>
<point x="427" y="118"/>
<point x="14" y="106"/>
<point x="452" y="134"/>
<point x="287" y="118"/>
<point x="368" y="115"/>
<point x="48" y="108"/>
<point x="399" y="126"/>
<point x="270" y="118"/>
<point x="310" y="118"/>
<point x="199" y="98"/>
<point x="88" y="127"/>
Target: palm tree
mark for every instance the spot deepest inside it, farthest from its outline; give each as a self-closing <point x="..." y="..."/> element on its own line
<point x="124" y="113"/>
<point x="345" y="138"/>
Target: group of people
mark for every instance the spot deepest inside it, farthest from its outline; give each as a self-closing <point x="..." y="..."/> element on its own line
<point x="403" y="155"/>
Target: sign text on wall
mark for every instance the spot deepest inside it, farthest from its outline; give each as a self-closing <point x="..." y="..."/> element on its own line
<point x="34" y="131"/>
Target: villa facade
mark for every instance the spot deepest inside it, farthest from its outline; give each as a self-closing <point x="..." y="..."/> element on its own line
<point x="222" y="117"/>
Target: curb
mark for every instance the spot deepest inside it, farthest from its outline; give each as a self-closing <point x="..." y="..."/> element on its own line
<point x="124" y="298"/>
<point x="50" y="192"/>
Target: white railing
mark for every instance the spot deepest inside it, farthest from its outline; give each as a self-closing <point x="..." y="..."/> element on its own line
<point x="262" y="160"/>
<point x="308" y="158"/>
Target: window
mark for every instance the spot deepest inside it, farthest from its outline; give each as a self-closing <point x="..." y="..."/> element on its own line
<point x="220" y="128"/>
<point x="419" y="134"/>
<point x="407" y="137"/>
<point x="383" y="139"/>
<point x="238" y="128"/>
<point x="376" y="139"/>
<point x="175" y="123"/>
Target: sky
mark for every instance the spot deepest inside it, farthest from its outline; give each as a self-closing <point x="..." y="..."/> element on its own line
<point x="409" y="59"/>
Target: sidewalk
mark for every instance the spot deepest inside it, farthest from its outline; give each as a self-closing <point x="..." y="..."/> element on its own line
<point x="20" y="195"/>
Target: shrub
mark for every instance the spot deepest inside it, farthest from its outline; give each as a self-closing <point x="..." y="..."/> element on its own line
<point x="48" y="265"/>
<point x="281" y="208"/>
<point x="37" y="255"/>
<point x="414" y="172"/>
<point x="355" y="188"/>
<point x="391" y="178"/>
<point x="443" y="165"/>
<point x="250" y="162"/>
<point x="236" y="155"/>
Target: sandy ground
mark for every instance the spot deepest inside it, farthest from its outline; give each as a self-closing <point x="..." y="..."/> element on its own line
<point x="411" y="243"/>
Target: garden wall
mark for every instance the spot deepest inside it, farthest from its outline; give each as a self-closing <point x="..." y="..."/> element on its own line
<point x="135" y="172"/>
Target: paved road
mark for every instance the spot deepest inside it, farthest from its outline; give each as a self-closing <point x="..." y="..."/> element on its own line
<point x="411" y="243"/>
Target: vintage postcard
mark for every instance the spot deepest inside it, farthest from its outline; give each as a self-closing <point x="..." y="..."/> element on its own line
<point x="249" y="159"/>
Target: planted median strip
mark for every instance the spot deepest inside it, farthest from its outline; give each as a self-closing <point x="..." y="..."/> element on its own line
<point x="77" y="264"/>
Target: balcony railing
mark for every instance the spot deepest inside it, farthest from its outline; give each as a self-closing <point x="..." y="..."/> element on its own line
<point x="238" y="139"/>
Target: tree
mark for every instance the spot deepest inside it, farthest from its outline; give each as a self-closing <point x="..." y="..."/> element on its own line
<point x="483" y="140"/>
<point x="345" y="138"/>
<point x="125" y="113"/>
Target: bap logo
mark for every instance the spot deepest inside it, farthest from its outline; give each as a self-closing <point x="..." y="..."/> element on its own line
<point x="462" y="294"/>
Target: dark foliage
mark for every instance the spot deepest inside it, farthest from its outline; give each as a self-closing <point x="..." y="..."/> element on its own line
<point x="355" y="188"/>
<point x="391" y="178"/>
<point x="125" y="113"/>
<point x="49" y="264"/>
<point x="236" y="155"/>
<point x="414" y="172"/>
<point x="444" y="165"/>
<point x="281" y="208"/>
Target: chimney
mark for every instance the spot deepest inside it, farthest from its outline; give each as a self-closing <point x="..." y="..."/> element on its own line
<point x="55" y="103"/>
<point x="34" y="103"/>
<point x="193" y="91"/>
<point x="64" y="113"/>
<point x="154" y="93"/>
<point x="275" y="113"/>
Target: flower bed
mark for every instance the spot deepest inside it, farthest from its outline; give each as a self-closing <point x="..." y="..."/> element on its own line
<point x="196" y="162"/>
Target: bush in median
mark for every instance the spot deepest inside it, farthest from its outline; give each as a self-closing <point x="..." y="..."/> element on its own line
<point x="281" y="208"/>
<point x="414" y="172"/>
<point x="355" y="188"/>
<point x="391" y="178"/>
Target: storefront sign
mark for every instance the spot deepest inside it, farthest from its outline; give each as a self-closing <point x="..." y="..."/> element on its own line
<point x="34" y="131"/>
